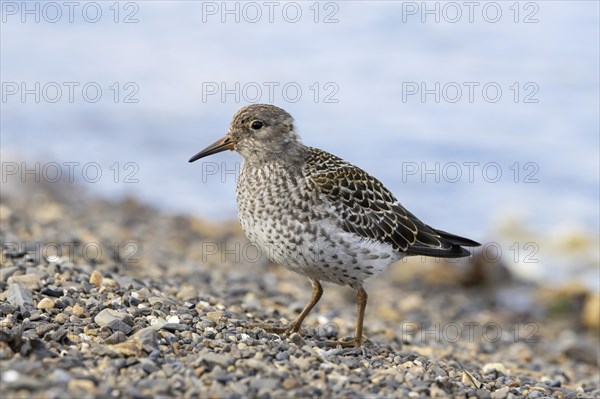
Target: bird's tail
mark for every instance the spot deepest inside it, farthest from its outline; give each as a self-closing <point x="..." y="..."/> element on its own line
<point x="452" y="246"/>
<point x="457" y="240"/>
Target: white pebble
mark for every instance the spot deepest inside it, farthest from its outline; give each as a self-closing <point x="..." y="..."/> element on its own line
<point x="53" y="259"/>
<point x="10" y="376"/>
<point x="491" y="367"/>
<point x="245" y="337"/>
<point x="202" y="304"/>
<point x="158" y="323"/>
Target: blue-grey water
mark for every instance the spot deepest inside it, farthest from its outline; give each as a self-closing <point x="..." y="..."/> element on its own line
<point x="367" y="74"/>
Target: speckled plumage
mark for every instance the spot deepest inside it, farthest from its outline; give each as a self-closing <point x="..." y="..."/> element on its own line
<point x="285" y="212"/>
<point x="317" y="214"/>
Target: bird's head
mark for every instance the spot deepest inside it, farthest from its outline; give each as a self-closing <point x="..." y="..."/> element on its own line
<point x="257" y="132"/>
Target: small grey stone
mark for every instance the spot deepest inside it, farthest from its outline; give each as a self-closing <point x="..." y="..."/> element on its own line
<point x="581" y="353"/>
<point x="209" y="334"/>
<point x="69" y="362"/>
<point x="128" y="319"/>
<point x="149" y="366"/>
<point x="91" y="302"/>
<point x="42" y="329"/>
<point x="500" y="393"/>
<point x="106" y="316"/>
<point x="484" y="394"/>
<point x="260" y="383"/>
<point x="257" y="365"/>
<point x="535" y="395"/>
<point x="35" y="315"/>
<point x="57" y="335"/>
<point x="176" y="327"/>
<point x="25" y="382"/>
<point x="53" y="291"/>
<point x="36" y="270"/>
<point x="217" y="359"/>
<point x="116" y="338"/>
<point x="148" y="337"/>
<point x="118" y="325"/>
<point x="127" y="281"/>
<point x="19" y="295"/>
<point x="297" y="339"/>
<point x="207" y="323"/>
<point x="61" y="376"/>
<point x="6" y="272"/>
<point x="156" y="300"/>
<point x="6" y="308"/>
<point x="6" y="334"/>
<point x="31" y="281"/>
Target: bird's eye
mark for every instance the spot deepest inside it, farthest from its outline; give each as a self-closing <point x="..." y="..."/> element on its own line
<point x="256" y="125"/>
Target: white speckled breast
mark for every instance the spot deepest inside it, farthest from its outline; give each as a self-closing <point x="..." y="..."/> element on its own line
<point x="294" y="225"/>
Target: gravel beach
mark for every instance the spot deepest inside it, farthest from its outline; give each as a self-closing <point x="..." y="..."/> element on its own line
<point x="117" y="299"/>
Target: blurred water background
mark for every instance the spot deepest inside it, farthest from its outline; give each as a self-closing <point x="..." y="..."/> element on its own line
<point x="357" y="64"/>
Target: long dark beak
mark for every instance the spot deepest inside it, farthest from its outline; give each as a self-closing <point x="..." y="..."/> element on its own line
<point x="224" y="143"/>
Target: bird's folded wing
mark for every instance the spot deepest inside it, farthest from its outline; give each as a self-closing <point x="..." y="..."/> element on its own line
<point x="368" y="209"/>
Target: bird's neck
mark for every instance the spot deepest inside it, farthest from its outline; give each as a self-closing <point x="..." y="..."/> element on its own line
<point x="291" y="153"/>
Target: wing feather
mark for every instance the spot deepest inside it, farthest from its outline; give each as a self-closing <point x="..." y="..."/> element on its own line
<point x="371" y="211"/>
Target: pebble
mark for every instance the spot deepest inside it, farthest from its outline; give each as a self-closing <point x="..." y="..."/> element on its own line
<point x="106" y="316"/>
<point x="260" y="383"/>
<point x="52" y="291"/>
<point x="500" y="393"/>
<point x="491" y="367"/>
<point x="118" y="325"/>
<point x="6" y="272"/>
<point x="297" y="339"/>
<point x="45" y="303"/>
<point x="19" y="295"/>
<point x="115" y="338"/>
<point x="302" y="363"/>
<point x="437" y="392"/>
<point x="42" y="329"/>
<point x="217" y="359"/>
<point x="78" y="310"/>
<point x="96" y="278"/>
<point x="149" y="366"/>
<point x="81" y="387"/>
<point x="158" y="323"/>
<point x="535" y="395"/>
<point x="176" y="327"/>
<point x="132" y="349"/>
<point x="31" y="281"/>
<point x="6" y="351"/>
<point x="147" y="337"/>
<point x="215" y="316"/>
